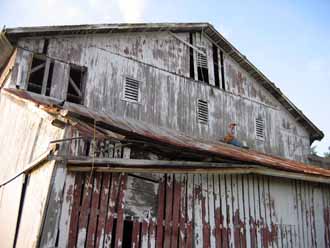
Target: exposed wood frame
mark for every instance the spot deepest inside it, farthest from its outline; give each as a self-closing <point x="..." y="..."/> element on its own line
<point x="75" y="87"/>
<point x="163" y="166"/>
<point x="37" y="68"/>
<point x="32" y="165"/>
<point x="188" y="44"/>
<point x="45" y="78"/>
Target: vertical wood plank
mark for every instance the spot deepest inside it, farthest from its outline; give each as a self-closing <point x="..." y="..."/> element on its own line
<point x="145" y="233"/>
<point x="136" y="234"/>
<point x="183" y="212"/>
<point x="152" y="231"/>
<point x="205" y="211"/>
<point x="73" y="230"/>
<point x="111" y="209"/>
<point x="168" y="211"/>
<point x="218" y="212"/>
<point x="190" y="205"/>
<point x="198" y="215"/>
<point x="120" y="212"/>
<point x="84" y="211"/>
<point x="160" y="215"/>
<point x="103" y="209"/>
<point x="92" y="227"/>
<point x="176" y="211"/>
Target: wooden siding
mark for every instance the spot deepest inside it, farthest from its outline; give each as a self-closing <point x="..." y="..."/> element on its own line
<point x="168" y="97"/>
<point x="195" y="210"/>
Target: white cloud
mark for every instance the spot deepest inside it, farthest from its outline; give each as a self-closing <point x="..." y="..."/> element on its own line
<point x="132" y="10"/>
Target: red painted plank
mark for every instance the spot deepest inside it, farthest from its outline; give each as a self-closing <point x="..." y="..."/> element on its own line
<point x="182" y="240"/>
<point x="176" y="212"/>
<point x="73" y="229"/>
<point x="168" y="214"/>
<point x="94" y="211"/>
<point x="111" y="209"/>
<point x="84" y="210"/>
<point x="120" y="212"/>
<point x="218" y="225"/>
<point x="136" y="234"/>
<point x="160" y="214"/>
<point x="103" y="209"/>
<point x="152" y="231"/>
<point x="206" y="226"/>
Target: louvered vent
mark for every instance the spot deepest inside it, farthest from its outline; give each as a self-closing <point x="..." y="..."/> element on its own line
<point x="260" y="129"/>
<point x="131" y="90"/>
<point x="201" y="58"/>
<point x="203" y="112"/>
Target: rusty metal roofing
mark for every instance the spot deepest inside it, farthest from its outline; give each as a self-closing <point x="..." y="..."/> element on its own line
<point x="156" y="134"/>
<point x="206" y="28"/>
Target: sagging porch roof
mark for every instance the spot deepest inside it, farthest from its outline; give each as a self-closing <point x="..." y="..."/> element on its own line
<point x="206" y="28"/>
<point x="143" y="131"/>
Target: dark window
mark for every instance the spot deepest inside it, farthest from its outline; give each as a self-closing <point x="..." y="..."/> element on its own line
<point x="202" y="67"/>
<point x="45" y="47"/>
<point x="216" y="66"/>
<point x="223" y="84"/>
<point x="202" y="112"/>
<point x="191" y="57"/>
<point x="40" y="75"/>
<point x="131" y="90"/>
<point x="76" y="83"/>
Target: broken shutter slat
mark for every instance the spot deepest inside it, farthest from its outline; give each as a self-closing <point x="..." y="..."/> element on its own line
<point x="94" y="210"/>
<point x="60" y="80"/>
<point x="103" y="209"/>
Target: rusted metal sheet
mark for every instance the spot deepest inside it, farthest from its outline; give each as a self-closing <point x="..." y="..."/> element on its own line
<point x="218" y="211"/>
<point x="145" y="131"/>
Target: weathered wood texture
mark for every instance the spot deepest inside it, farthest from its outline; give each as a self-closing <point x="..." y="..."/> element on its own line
<point x="10" y="196"/>
<point x="25" y="135"/>
<point x="33" y="205"/>
<point x="168" y="97"/>
<point x="197" y="211"/>
<point x="6" y="50"/>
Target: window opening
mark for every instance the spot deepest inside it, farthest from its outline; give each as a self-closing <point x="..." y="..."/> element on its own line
<point x="75" y="88"/>
<point x="202" y="68"/>
<point x="223" y="84"/>
<point x="216" y="66"/>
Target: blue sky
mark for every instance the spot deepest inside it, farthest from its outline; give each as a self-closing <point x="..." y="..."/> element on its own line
<point x="287" y="40"/>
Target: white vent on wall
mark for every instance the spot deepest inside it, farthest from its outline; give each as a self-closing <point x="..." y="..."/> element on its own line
<point x="202" y="112"/>
<point x="131" y="90"/>
<point x="201" y="58"/>
<point x="260" y="129"/>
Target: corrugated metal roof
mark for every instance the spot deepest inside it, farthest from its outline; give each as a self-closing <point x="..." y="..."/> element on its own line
<point x="206" y="28"/>
<point x="144" y="131"/>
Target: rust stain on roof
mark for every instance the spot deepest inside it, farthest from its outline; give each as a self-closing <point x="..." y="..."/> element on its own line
<point x="148" y="132"/>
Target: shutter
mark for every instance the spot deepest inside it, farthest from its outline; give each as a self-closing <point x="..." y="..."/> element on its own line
<point x="203" y="112"/>
<point x="201" y="58"/>
<point x="260" y="129"/>
<point x="131" y="90"/>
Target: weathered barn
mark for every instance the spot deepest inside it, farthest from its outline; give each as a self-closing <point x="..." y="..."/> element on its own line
<point x="111" y="136"/>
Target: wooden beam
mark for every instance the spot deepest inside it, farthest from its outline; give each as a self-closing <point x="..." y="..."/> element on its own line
<point x="142" y="163"/>
<point x="187" y="43"/>
<point x="45" y="78"/>
<point x="75" y="87"/>
<point x="38" y="67"/>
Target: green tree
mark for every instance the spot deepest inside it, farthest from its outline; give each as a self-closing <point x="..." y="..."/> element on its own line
<point x="313" y="150"/>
